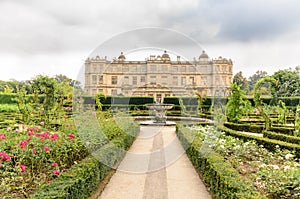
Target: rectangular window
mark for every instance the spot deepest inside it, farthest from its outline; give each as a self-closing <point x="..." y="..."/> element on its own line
<point x="164" y="68"/>
<point x="164" y="80"/>
<point x="114" y="79"/>
<point x="134" y="80"/>
<point x="183" y="69"/>
<point x="133" y="69"/>
<point x="183" y="81"/>
<point x="192" y="69"/>
<point x="125" y="69"/>
<point x="192" y="80"/>
<point x="175" y="80"/>
<point x="143" y="79"/>
<point x="175" y="69"/>
<point x="152" y="79"/>
<point x="144" y="68"/>
<point x="94" y="79"/>
<point x="114" y="92"/>
<point x="126" y="80"/>
<point x="153" y="68"/>
<point x="100" y="79"/>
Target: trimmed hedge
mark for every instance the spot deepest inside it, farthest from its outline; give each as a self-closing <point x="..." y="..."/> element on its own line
<point x="269" y="144"/>
<point x="245" y="127"/>
<point x="223" y="179"/>
<point x="78" y="182"/>
<point x="281" y="137"/>
<point x="283" y="130"/>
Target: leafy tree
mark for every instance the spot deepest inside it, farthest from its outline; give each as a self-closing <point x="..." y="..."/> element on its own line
<point x="237" y="104"/>
<point x="239" y="79"/>
<point x="289" y="82"/>
<point x="255" y="77"/>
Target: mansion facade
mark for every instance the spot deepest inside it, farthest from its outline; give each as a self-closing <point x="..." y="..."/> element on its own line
<point x="158" y="76"/>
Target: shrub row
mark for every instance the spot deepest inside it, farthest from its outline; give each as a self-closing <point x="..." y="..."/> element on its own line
<point x="223" y="179"/>
<point x="281" y="137"/>
<point x="269" y="144"/>
<point x="83" y="178"/>
<point x="283" y="130"/>
<point x="78" y="182"/>
<point x="245" y="127"/>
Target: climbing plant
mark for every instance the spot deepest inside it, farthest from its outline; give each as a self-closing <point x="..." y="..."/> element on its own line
<point x="257" y="98"/>
<point x="237" y="104"/>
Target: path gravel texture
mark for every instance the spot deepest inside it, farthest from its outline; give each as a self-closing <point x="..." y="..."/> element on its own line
<point x="156" y="167"/>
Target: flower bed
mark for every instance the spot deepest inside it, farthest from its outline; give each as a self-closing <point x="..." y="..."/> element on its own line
<point x="32" y="155"/>
<point x="274" y="174"/>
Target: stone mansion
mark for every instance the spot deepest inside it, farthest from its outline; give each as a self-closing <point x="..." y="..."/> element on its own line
<point x="158" y="76"/>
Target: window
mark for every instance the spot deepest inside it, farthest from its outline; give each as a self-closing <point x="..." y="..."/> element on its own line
<point x="94" y="79"/>
<point x="183" y="80"/>
<point x="125" y="69"/>
<point x="152" y="79"/>
<point x="144" y="68"/>
<point x="100" y="79"/>
<point x="134" y="80"/>
<point x="192" y="80"/>
<point x="175" y="69"/>
<point x="152" y="68"/>
<point x="164" y="68"/>
<point x="192" y="69"/>
<point x="100" y="90"/>
<point x="114" y="92"/>
<point x="164" y="80"/>
<point x="126" y="80"/>
<point x="143" y="79"/>
<point x="114" y="79"/>
<point x="133" y="69"/>
<point x="175" y="80"/>
<point x="183" y="69"/>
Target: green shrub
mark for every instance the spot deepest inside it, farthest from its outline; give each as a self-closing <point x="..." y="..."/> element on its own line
<point x="283" y="130"/>
<point x="281" y="137"/>
<point x="269" y="144"/>
<point x="224" y="181"/>
<point x="245" y="127"/>
<point x="77" y="182"/>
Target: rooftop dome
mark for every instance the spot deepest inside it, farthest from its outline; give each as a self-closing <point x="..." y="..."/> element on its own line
<point x="121" y="56"/>
<point x="203" y="55"/>
<point x="165" y="55"/>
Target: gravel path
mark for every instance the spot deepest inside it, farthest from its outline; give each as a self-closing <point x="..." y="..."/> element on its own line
<point x="155" y="167"/>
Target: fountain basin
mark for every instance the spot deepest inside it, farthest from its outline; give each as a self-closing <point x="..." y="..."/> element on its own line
<point x="158" y="113"/>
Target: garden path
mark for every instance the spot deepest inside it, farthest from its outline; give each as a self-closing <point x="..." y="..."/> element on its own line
<point x="156" y="166"/>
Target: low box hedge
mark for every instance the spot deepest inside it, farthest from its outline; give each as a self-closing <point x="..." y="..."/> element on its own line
<point x="283" y="130"/>
<point x="245" y="127"/>
<point x="224" y="181"/>
<point x="78" y="182"/>
<point x="282" y="137"/>
<point x="269" y="144"/>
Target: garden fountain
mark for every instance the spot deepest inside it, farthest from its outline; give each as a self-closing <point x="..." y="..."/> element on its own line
<point x="158" y="113"/>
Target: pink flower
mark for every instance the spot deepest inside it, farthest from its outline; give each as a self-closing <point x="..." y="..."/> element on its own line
<point x="54" y="136"/>
<point x="68" y="125"/>
<point x="46" y="148"/>
<point x="42" y="139"/>
<point x="23" y="144"/>
<point x="28" y="139"/>
<point x="33" y="151"/>
<point x="46" y="134"/>
<point x="54" y="164"/>
<point x="56" y="172"/>
<point x="9" y="129"/>
<point x="71" y="136"/>
<point x="7" y="157"/>
<point x="42" y="123"/>
<point x="17" y="131"/>
<point x="2" y="136"/>
<point x="49" y="182"/>
<point x="22" y="167"/>
<point x="30" y="133"/>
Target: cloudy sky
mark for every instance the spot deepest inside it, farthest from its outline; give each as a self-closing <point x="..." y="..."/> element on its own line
<point x="55" y="37"/>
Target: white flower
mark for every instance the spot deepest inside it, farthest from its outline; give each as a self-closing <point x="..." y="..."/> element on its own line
<point x="286" y="167"/>
<point x="288" y="156"/>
